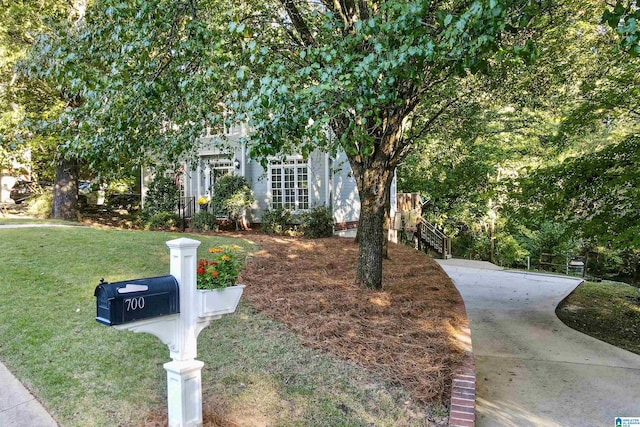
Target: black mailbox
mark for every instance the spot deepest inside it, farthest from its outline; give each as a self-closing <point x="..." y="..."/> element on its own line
<point x="138" y="299"/>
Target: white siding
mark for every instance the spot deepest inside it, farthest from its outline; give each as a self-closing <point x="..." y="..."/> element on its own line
<point x="330" y="180"/>
<point x="346" y="202"/>
<point x="259" y="182"/>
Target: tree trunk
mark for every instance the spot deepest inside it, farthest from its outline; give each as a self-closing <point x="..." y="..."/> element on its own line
<point x="65" y="191"/>
<point x="373" y="187"/>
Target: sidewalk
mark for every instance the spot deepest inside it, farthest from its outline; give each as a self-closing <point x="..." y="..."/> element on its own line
<point x="18" y="408"/>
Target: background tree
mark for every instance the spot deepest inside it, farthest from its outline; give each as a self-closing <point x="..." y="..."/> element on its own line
<point x="21" y="99"/>
<point x="32" y="98"/>
<point x="542" y="142"/>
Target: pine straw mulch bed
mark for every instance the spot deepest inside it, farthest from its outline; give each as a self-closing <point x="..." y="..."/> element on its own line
<point x="405" y="332"/>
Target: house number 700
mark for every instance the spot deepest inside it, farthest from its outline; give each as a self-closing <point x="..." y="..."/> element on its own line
<point x="134" y="303"/>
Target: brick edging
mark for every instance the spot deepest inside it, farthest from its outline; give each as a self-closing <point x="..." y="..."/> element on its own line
<point x="462" y="411"/>
<point x="463" y="397"/>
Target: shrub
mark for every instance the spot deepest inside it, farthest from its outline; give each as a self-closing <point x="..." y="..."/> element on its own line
<point x="232" y="196"/>
<point x="318" y="222"/>
<point x="276" y="221"/>
<point x="162" y="196"/>
<point x="163" y="221"/>
<point x="128" y="201"/>
<point x="40" y="205"/>
<point x="204" y="221"/>
<point x="509" y="252"/>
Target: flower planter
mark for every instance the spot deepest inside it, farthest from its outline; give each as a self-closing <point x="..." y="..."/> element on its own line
<point x="216" y="302"/>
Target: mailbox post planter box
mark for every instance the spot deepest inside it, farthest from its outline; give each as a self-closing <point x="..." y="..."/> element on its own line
<point x="215" y="302"/>
<point x="174" y="310"/>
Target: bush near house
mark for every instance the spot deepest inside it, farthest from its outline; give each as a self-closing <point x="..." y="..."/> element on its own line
<point x="160" y="206"/>
<point x="163" y="221"/>
<point x="316" y="223"/>
<point x="232" y="196"/>
<point x="203" y="221"/>
<point x="277" y="221"/>
<point x="162" y="196"/>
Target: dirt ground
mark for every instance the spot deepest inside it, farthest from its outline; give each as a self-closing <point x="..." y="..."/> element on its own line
<point x="406" y="332"/>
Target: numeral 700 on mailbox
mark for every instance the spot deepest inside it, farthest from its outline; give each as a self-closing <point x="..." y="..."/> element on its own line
<point x="137" y="299"/>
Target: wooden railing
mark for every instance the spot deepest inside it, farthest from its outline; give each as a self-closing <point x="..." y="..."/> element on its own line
<point x="430" y="238"/>
<point x="186" y="209"/>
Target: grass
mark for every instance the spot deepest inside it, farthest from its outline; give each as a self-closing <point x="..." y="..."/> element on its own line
<point x="609" y="311"/>
<point x="86" y="374"/>
<point x="261" y="375"/>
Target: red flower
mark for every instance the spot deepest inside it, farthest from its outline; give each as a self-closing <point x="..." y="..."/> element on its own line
<point x="201" y="270"/>
<point x="214" y="274"/>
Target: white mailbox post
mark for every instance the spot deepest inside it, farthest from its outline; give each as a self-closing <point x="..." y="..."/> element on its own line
<point x="180" y="332"/>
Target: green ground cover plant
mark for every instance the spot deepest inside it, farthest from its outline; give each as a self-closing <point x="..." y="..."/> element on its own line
<point x="609" y="311"/>
<point x="87" y="374"/>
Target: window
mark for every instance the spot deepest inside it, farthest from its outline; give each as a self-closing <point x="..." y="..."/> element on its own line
<point x="290" y="184"/>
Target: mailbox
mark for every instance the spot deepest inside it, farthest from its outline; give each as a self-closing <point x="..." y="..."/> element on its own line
<point x="138" y="299"/>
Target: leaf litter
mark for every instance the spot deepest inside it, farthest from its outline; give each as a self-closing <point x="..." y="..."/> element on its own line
<point x="406" y="332"/>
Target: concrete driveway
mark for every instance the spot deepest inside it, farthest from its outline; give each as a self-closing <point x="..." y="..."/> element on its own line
<point x="531" y="369"/>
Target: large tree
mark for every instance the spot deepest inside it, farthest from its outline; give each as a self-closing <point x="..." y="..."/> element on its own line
<point x="30" y="98"/>
<point x="364" y="77"/>
<point x="20" y="99"/>
<point x="361" y="71"/>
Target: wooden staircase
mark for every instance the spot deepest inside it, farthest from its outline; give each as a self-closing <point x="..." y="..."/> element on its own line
<point x="429" y="238"/>
<point x="409" y="222"/>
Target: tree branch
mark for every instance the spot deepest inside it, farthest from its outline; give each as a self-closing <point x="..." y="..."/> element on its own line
<point x="298" y="22"/>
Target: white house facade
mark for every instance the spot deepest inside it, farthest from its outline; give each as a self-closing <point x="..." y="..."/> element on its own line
<point x="293" y="182"/>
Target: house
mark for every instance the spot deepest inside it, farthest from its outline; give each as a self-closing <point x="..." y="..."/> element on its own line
<point x="293" y="182"/>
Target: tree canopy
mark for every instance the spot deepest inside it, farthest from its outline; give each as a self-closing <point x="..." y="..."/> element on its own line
<point x="495" y="144"/>
<point x="367" y="78"/>
<point x="550" y="149"/>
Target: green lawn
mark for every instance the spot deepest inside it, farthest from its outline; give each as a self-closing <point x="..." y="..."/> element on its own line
<point x="88" y="374"/>
<point x="608" y="311"/>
